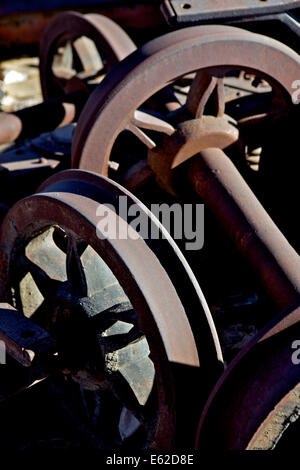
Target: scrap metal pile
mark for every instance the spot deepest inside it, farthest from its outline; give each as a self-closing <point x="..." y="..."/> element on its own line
<point x="145" y="342"/>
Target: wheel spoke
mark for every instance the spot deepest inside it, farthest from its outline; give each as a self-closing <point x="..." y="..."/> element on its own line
<point x="204" y="87"/>
<point x="115" y="342"/>
<point x="118" y="325"/>
<point x="88" y="54"/>
<point x="44" y="283"/>
<point x="220" y="97"/>
<point x="257" y="128"/>
<point x="141" y="135"/>
<point x="144" y="120"/>
<point x="123" y="390"/>
<point x="119" y="312"/>
<point x="63" y="63"/>
<point x="41" y="315"/>
<point x="91" y="75"/>
<point x="153" y="123"/>
<point x="60" y="239"/>
<point x="75" y="271"/>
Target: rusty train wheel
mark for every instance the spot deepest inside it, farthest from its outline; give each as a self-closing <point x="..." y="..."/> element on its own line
<point x="234" y="418"/>
<point x="122" y="328"/>
<point x="255" y="404"/>
<point x="79" y="49"/>
<point x="117" y="104"/>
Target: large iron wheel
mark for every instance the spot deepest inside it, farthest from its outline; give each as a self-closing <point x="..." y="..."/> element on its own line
<point x="123" y="333"/>
<point x="215" y="53"/>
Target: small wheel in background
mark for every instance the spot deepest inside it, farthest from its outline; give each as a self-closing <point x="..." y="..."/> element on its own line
<point x="78" y="50"/>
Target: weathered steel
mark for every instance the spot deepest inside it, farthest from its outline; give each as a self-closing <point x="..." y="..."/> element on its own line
<point x="178" y="269"/>
<point x="190" y="138"/>
<point x="148" y="70"/>
<point x="256" y="400"/>
<point x="110" y="108"/>
<point x="222" y="188"/>
<point x="109" y="39"/>
<point x="72" y="278"/>
<point x="23" y="339"/>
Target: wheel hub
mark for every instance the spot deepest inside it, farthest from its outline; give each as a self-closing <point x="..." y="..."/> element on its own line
<point x="190" y="138"/>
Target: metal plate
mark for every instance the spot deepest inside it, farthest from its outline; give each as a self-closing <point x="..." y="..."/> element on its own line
<point x="191" y="11"/>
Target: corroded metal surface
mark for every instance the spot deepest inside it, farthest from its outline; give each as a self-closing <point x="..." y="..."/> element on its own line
<point x="158" y="63"/>
<point x="159" y="310"/>
<point x="256" y="387"/>
<point x="85" y="37"/>
<point x="114" y="107"/>
<point x="253" y="232"/>
<point x="135" y="342"/>
<point x="190" y="138"/>
<point x="23" y="338"/>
